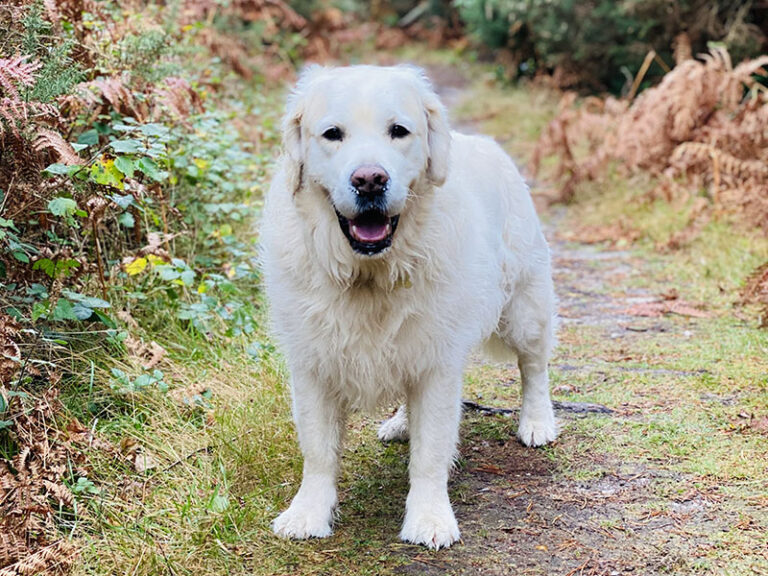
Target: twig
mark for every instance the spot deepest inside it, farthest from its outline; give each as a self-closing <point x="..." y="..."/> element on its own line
<point x="649" y="58"/>
<point x="188" y="456"/>
<point x="573" y="407"/>
<point x="208" y="448"/>
<point x="581" y="407"/>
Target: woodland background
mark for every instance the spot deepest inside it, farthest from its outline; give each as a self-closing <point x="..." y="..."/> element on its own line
<point x="137" y="138"/>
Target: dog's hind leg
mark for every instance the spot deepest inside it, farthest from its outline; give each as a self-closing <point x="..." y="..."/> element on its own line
<point x="527" y="327"/>
<point x="395" y="428"/>
<point x="537" y="418"/>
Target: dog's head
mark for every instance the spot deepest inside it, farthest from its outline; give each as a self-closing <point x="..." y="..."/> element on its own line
<point x="363" y="137"/>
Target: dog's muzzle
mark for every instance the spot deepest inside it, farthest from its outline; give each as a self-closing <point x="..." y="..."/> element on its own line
<point x="369" y="232"/>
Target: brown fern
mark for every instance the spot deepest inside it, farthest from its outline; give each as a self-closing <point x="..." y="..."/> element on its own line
<point x="696" y="122"/>
<point x="50" y="140"/>
<point x="15" y="71"/>
<point x="178" y="97"/>
<point x="10" y="355"/>
<point x="756" y="291"/>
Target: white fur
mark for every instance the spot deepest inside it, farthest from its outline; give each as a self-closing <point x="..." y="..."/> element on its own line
<point x="468" y="264"/>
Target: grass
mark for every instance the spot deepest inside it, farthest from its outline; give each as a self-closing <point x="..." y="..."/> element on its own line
<point x="228" y="463"/>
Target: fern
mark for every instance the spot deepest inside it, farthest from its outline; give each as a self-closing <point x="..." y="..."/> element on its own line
<point x="705" y="120"/>
<point x="15" y="72"/>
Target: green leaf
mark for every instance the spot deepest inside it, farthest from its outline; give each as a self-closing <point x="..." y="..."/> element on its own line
<point x="143" y="380"/>
<point x="81" y="312"/>
<point x="125" y="165"/>
<point x="126" y="219"/>
<point x="122" y="201"/>
<point x="104" y="172"/>
<point x="149" y="167"/>
<point x="39" y="310"/>
<point x="7" y="224"/>
<point x="55" y="268"/>
<point x="167" y="272"/>
<point x="89" y="137"/>
<point x="123" y="127"/>
<point x="219" y="503"/>
<point x="188" y="276"/>
<point x="62" y="206"/>
<point x="106" y="320"/>
<point x="20" y="256"/>
<point x="126" y="146"/>
<point x="57" y="168"/>
<point x="156" y="130"/>
<point x="46" y="265"/>
<point x="89" y="301"/>
<point x="64" y="311"/>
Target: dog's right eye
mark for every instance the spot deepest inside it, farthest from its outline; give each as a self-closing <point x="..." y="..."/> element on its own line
<point x="398" y="131"/>
<point x="333" y="134"/>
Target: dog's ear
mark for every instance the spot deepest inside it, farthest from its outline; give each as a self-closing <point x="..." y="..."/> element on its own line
<point x="439" y="141"/>
<point x="294" y="112"/>
<point x="438" y="130"/>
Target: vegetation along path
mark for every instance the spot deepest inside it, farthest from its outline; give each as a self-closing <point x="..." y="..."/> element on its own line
<point x="659" y="380"/>
<point x="145" y="413"/>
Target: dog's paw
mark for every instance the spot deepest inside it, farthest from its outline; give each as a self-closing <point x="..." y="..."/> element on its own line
<point x="303" y="521"/>
<point x="538" y="430"/>
<point x="310" y="515"/>
<point x="395" y="429"/>
<point x="432" y="525"/>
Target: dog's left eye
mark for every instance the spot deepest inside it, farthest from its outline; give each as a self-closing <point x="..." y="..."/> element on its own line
<point x="398" y="131"/>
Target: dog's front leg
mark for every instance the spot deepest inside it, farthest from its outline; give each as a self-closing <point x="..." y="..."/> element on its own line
<point x="434" y="407"/>
<point x="319" y="423"/>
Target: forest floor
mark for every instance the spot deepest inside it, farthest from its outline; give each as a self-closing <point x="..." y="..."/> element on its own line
<point x="668" y="478"/>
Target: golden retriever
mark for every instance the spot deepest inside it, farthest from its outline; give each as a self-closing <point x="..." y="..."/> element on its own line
<point x="392" y="247"/>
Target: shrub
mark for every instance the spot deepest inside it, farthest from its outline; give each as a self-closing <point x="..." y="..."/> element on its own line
<point x="601" y="44"/>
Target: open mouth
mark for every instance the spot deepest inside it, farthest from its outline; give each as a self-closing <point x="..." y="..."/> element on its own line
<point x="369" y="232"/>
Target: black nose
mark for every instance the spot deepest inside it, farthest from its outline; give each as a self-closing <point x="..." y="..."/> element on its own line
<point x="370" y="180"/>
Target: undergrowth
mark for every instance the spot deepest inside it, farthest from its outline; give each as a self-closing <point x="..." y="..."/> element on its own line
<point x="124" y="191"/>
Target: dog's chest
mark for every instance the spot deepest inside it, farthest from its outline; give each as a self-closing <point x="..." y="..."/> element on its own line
<point x="369" y="343"/>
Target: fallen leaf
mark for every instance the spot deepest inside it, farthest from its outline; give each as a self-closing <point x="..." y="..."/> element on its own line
<point x="143" y="461"/>
<point x="490" y="469"/>
<point x="660" y="308"/>
<point x="759" y="425"/>
<point x="141" y="458"/>
<point x="148" y="355"/>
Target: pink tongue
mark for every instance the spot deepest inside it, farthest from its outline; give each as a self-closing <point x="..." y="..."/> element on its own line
<point x="369" y="231"/>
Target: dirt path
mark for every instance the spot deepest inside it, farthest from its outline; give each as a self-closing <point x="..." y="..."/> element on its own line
<point x="597" y="502"/>
<point x="521" y="516"/>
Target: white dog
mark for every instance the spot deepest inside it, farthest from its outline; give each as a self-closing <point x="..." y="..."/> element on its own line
<point x="391" y="248"/>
